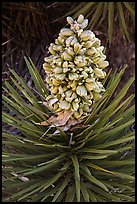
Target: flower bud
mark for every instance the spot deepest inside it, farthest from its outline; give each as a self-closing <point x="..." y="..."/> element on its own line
<point x="75" y="105"/>
<point x="70" y="51"/>
<point x="90" y="95"/>
<point x="74" y="96"/>
<point x="48" y="59"/>
<point x="56" y="82"/>
<point x="58" y="70"/>
<point x="76" y="114"/>
<point x="65" y="88"/>
<point x="73" y="76"/>
<point x="60" y="76"/>
<point x="60" y="89"/>
<point x="74" y="40"/>
<point x="47" y="68"/>
<point x="97" y="90"/>
<point x="96" y="44"/>
<point x="82" y="51"/>
<point x="65" y="64"/>
<point x="58" y="48"/>
<point x="85" y="75"/>
<point x="80" y="61"/>
<point x="102" y="64"/>
<point x="91" y="51"/>
<point x="97" y="96"/>
<point x="52" y="51"/>
<point x="48" y="80"/>
<point x="59" y="96"/>
<point x="80" y="111"/>
<point x="81" y="90"/>
<point x="54" y="90"/>
<point x="86" y="108"/>
<point x="61" y="40"/>
<point x="68" y="40"/>
<point x="77" y="47"/>
<point x="70" y="20"/>
<point x="52" y="101"/>
<point x="90" y="86"/>
<point x="96" y="59"/>
<point x="64" y="105"/>
<point x="65" y="70"/>
<point x="66" y="32"/>
<point x="80" y="18"/>
<point x="84" y="23"/>
<point x="57" y="42"/>
<point x="90" y="80"/>
<point x="88" y="44"/>
<point x="66" y="56"/>
<point x="99" y="73"/>
<point x="68" y="93"/>
<point x="71" y="64"/>
<point x="86" y="35"/>
<point x="58" y="110"/>
<point x="55" y="106"/>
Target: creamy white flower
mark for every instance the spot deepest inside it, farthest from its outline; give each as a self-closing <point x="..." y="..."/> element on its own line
<point x="64" y="105"/>
<point x="58" y="70"/>
<point x="65" y="64"/>
<point x="56" y="82"/>
<point x="74" y="69"/>
<point x="99" y="73"/>
<point x="60" y="76"/>
<point x="75" y="105"/>
<point x="52" y="101"/>
<point x="102" y="64"/>
<point x="80" y="18"/>
<point x="90" y="86"/>
<point x="70" y="20"/>
<point x="81" y="90"/>
<point x="66" y="31"/>
<point x="73" y="76"/>
<point x="77" y="47"/>
<point x="84" y="23"/>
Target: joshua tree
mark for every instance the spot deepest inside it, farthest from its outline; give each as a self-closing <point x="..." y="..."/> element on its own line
<point x="75" y="140"/>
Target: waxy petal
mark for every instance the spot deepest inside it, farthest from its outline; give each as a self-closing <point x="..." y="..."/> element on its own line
<point x="81" y="90"/>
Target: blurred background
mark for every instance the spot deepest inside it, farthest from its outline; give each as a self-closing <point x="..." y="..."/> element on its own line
<point x="29" y="27"/>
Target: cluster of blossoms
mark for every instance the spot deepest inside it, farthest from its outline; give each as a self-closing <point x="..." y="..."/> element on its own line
<point x="74" y="69"/>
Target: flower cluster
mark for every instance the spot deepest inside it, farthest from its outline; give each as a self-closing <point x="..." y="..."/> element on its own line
<point x="74" y="69"/>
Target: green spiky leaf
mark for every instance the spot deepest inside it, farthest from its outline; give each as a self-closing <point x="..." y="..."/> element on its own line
<point x="94" y="162"/>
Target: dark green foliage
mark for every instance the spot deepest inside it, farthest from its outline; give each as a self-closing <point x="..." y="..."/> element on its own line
<point x="101" y="13"/>
<point x="41" y="164"/>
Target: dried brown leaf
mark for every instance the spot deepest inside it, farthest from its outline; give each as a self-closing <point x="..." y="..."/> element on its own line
<point x="60" y="120"/>
<point x="72" y="122"/>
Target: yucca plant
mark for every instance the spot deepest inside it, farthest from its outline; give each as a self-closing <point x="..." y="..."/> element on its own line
<point x="90" y="160"/>
<point x="106" y="12"/>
